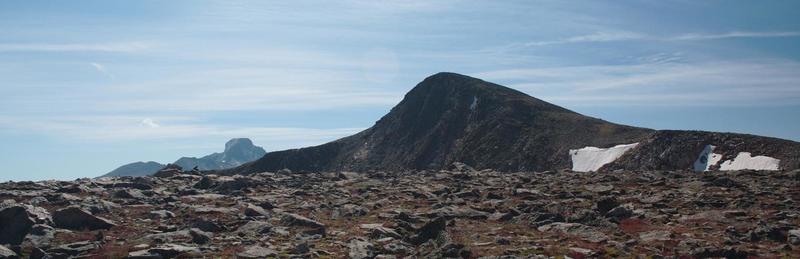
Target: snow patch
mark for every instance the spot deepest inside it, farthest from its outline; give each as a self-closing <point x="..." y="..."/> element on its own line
<point x="592" y="158"/>
<point x="706" y="159"/>
<point x="745" y="160"/>
<point x="474" y="103"/>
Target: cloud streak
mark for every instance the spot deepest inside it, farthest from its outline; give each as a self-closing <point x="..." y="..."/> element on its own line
<point x="594" y="37"/>
<point x="102" y="69"/>
<point x="735" y="34"/>
<point x="754" y="82"/>
<point x="150" y="123"/>
<point x="130" y="128"/>
<point x="75" y="47"/>
<point x="615" y="36"/>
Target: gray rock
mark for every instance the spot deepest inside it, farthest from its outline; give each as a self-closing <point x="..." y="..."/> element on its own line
<point x="297" y="220"/>
<point x="169" y="237"/>
<point x="78" y="219"/>
<point x="199" y="236"/>
<point x="254" y="211"/>
<point x="207" y="182"/>
<point x="174" y="250"/>
<point x="301" y="248"/>
<point x="15" y="222"/>
<point x="459" y="212"/>
<point x="599" y="188"/>
<point x="6" y="253"/>
<point x="360" y="249"/>
<point x="794" y="236"/>
<point x="723" y="182"/>
<point x="143" y="254"/>
<point x="576" y="229"/>
<point x="38" y="253"/>
<point x="658" y="235"/>
<point x="40" y="235"/>
<point x="352" y="210"/>
<point x="763" y="231"/>
<point x="132" y="194"/>
<point x="161" y="214"/>
<point x="227" y="184"/>
<point x="605" y="204"/>
<point x="619" y="213"/>
<point x="253" y="252"/>
<point x="254" y="228"/>
<point x="208" y="226"/>
<point x="378" y="231"/>
<point x="75" y="249"/>
<point x="430" y="230"/>
<point x="396" y="248"/>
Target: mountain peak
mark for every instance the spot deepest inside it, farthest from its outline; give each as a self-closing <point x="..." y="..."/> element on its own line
<point x="447" y="92"/>
<point x="453" y="82"/>
<point x="239" y="143"/>
<point x="449" y="117"/>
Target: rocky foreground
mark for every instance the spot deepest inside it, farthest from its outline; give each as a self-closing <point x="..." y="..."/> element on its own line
<point x="425" y="214"/>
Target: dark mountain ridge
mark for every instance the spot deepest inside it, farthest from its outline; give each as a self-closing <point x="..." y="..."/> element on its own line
<point x="451" y="118"/>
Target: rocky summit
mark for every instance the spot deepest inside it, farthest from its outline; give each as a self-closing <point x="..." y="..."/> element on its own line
<point x="456" y="213"/>
<point x="451" y="118"/>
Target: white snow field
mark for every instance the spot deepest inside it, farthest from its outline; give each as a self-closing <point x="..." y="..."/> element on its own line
<point x="592" y="158"/>
<point x="745" y="160"/>
<point x="706" y="159"/>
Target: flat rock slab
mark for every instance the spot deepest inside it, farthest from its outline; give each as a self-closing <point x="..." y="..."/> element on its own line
<point x="78" y="219"/>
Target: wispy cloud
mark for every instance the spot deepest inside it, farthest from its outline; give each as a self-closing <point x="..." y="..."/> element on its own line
<point x="754" y="82"/>
<point x="65" y="47"/>
<point x="613" y="36"/>
<point x="594" y="37"/>
<point x="150" y="123"/>
<point x="102" y="69"/>
<point x="735" y="34"/>
<point x="127" y="128"/>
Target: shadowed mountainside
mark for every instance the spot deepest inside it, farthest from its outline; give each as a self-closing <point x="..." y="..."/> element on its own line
<point x="450" y="117"/>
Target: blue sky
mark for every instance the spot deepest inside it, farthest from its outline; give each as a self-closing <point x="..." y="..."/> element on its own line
<point x="90" y="85"/>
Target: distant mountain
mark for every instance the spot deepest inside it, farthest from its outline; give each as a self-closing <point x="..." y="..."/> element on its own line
<point x="237" y="152"/>
<point x="451" y="118"/>
<point x="136" y="169"/>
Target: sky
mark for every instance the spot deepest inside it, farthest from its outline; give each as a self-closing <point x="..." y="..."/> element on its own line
<point x="87" y="86"/>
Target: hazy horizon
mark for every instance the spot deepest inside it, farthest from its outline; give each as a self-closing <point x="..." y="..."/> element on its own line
<point x="92" y="85"/>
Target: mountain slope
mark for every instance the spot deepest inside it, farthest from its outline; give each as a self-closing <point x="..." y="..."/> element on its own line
<point x="450" y="117"/>
<point x="237" y="152"/>
<point x="676" y="149"/>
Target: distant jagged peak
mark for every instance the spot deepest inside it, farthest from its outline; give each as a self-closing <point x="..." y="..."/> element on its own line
<point x="237" y="151"/>
<point x="239" y="143"/>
